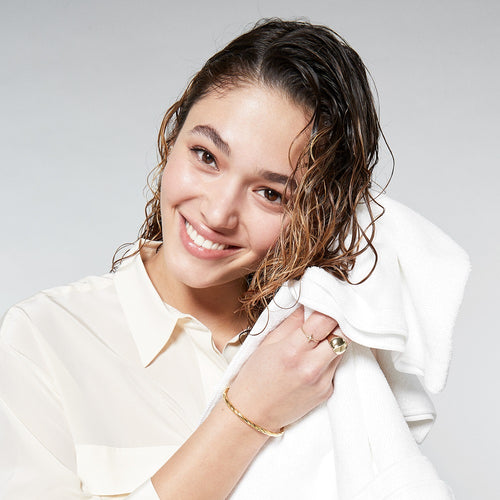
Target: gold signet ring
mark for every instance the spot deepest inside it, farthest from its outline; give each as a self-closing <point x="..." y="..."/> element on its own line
<point x="339" y="345"/>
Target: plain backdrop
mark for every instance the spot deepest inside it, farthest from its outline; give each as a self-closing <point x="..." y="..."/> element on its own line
<point x="84" y="85"/>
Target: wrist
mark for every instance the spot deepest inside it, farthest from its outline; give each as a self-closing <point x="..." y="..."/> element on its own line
<point x="249" y="422"/>
<point x="236" y="427"/>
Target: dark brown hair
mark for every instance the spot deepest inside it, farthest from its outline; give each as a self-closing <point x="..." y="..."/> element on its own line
<point x="317" y="70"/>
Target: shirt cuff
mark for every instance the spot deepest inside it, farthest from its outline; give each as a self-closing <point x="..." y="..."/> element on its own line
<point x="145" y="492"/>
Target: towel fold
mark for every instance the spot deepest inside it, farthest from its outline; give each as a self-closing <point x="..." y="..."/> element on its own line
<point x="362" y="443"/>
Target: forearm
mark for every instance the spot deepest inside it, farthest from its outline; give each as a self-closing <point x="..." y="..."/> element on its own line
<point x="210" y="463"/>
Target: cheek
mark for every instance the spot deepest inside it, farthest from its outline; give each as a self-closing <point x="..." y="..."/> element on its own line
<point x="265" y="234"/>
<point x="176" y="184"/>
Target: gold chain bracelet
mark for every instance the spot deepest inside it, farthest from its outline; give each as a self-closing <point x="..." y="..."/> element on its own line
<point x="249" y="422"/>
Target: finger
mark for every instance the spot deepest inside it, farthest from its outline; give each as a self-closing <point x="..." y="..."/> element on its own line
<point x="288" y="325"/>
<point x="338" y="348"/>
<point x="337" y="332"/>
<point x="318" y="326"/>
<point x="322" y="359"/>
<point x="324" y="352"/>
<point x="332" y="369"/>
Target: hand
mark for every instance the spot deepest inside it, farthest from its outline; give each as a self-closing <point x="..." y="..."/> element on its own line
<point x="287" y="375"/>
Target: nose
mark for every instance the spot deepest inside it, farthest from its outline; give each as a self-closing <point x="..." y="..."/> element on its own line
<point x="220" y="206"/>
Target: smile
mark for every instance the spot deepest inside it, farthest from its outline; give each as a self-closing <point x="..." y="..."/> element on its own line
<point x="199" y="241"/>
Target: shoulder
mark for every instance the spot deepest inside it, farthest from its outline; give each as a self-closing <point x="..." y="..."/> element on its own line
<point x="53" y="311"/>
<point x="67" y="296"/>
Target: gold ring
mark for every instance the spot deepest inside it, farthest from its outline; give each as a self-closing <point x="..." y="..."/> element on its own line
<point x="339" y="345"/>
<point x="309" y="337"/>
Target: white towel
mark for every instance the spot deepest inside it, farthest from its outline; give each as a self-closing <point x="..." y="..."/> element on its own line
<point x="362" y="443"/>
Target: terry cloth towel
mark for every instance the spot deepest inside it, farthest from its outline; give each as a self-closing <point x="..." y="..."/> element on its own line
<point x="361" y="444"/>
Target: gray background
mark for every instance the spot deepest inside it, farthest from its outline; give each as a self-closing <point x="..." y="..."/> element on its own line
<point x="84" y="85"/>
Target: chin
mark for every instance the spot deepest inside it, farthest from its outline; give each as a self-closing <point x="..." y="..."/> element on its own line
<point x="200" y="281"/>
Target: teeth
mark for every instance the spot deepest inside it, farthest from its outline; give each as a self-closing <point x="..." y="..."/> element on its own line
<point x="202" y="242"/>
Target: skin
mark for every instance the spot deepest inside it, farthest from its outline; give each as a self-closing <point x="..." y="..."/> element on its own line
<point x="229" y="193"/>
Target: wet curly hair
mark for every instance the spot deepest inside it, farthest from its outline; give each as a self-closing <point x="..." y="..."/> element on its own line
<point x="317" y="70"/>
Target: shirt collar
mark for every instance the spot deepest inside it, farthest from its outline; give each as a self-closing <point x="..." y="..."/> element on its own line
<point x="151" y="324"/>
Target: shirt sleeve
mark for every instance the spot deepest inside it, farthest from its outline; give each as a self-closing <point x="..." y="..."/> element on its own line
<point x="37" y="452"/>
<point x="145" y="492"/>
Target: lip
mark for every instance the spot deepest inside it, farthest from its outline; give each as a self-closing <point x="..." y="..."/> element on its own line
<point x="200" y="252"/>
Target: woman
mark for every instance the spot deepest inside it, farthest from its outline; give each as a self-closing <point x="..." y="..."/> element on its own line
<point x="264" y="160"/>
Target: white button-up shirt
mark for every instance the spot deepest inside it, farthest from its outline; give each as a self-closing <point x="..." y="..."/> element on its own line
<point x="100" y="383"/>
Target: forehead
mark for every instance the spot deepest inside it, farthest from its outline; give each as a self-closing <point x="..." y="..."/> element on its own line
<point x="254" y="120"/>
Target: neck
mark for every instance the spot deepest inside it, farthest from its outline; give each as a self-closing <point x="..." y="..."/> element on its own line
<point x="216" y="307"/>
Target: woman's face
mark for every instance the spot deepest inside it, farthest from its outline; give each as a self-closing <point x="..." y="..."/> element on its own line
<point x="223" y="184"/>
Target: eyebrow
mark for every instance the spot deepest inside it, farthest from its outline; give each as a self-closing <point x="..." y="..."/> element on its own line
<point x="214" y="136"/>
<point x="279" y="178"/>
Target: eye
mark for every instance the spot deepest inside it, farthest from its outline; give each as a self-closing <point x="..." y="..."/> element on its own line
<point x="271" y="195"/>
<point x="205" y="156"/>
